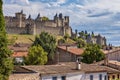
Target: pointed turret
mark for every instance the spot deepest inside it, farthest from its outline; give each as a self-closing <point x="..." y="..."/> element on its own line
<point x="60" y="16"/>
<point x="29" y="17"/>
<point x="21" y="11"/>
<point x="38" y="15"/>
<point x="99" y="35"/>
<point x="56" y="18"/>
<point x="55" y="15"/>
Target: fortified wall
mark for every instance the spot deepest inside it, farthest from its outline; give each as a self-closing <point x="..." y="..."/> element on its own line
<point x="19" y="24"/>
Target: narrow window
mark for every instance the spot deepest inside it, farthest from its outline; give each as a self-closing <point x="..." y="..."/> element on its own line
<point x="118" y="76"/>
<point x="100" y="77"/>
<point x="63" y="77"/>
<point x="91" y="77"/>
<point x="54" y="78"/>
<point x="113" y="77"/>
<point x="105" y="77"/>
<point x="108" y="77"/>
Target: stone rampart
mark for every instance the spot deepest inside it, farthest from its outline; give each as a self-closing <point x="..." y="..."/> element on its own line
<point x="15" y="30"/>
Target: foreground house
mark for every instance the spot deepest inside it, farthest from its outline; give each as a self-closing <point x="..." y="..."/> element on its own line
<point x="20" y="73"/>
<point x="65" y="71"/>
<point x="19" y="51"/>
<point x="68" y="71"/>
<point x="112" y="68"/>
<point x="68" y="53"/>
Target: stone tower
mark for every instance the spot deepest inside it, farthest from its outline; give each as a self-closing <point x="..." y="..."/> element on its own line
<point x="66" y="21"/>
<point x="38" y="18"/>
<point x="20" y="16"/>
<point x="58" y="20"/>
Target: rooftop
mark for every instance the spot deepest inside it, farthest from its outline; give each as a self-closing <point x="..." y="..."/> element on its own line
<point x="34" y="72"/>
<point x="32" y="76"/>
<point x="112" y="66"/>
<point x="19" y="54"/>
<point x="69" y="67"/>
<point x="73" y="50"/>
<point x="20" y="73"/>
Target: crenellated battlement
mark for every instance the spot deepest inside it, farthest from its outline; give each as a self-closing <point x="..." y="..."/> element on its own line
<point x="59" y="25"/>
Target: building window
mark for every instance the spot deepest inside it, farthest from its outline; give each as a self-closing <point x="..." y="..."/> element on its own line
<point x="63" y="78"/>
<point x="91" y="77"/>
<point x="113" y="77"/>
<point x="108" y="77"/>
<point x="105" y="77"/>
<point x="118" y="76"/>
<point x="54" y="78"/>
<point x="100" y="77"/>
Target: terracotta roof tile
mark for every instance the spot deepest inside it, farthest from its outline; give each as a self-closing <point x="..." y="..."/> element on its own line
<point x="19" y="54"/>
<point x="20" y="73"/>
<point x="61" y="68"/>
<point x="64" y="68"/>
<point x="32" y="76"/>
<point x="73" y="50"/>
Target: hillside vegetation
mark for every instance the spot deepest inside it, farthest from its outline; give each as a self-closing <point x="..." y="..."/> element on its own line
<point x="16" y="38"/>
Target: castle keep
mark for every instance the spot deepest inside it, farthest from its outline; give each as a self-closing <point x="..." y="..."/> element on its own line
<point x="19" y="24"/>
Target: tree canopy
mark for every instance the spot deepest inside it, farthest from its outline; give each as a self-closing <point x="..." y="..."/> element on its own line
<point x="36" y="56"/>
<point x="81" y="43"/>
<point x="44" y="18"/>
<point x="48" y="43"/>
<point x="92" y="53"/>
<point x="6" y="64"/>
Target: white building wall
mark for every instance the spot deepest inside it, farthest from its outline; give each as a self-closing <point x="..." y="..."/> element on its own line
<point x="95" y="76"/>
<point x="77" y="76"/>
<point x="70" y="76"/>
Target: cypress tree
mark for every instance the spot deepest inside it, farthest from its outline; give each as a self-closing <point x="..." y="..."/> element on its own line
<point x="6" y="64"/>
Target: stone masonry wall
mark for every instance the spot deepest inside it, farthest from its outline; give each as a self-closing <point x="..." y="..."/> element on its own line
<point x="15" y="30"/>
<point x="51" y="30"/>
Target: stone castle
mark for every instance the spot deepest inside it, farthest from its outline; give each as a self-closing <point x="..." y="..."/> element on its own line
<point x="92" y="39"/>
<point x="19" y="24"/>
<point x="98" y="39"/>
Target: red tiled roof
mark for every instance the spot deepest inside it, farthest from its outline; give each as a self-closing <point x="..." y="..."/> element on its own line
<point x="19" y="54"/>
<point x="19" y="49"/>
<point x="64" y="68"/>
<point x="73" y="50"/>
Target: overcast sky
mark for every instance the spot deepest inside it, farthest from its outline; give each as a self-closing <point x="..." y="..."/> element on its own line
<point x="92" y="15"/>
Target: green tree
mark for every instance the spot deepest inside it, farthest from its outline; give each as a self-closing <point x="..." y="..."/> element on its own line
<point x="62" y="40"/>
<point x="116" y="79"/>
<point x="36" y="56"/>
<point x="6" y="64"/>
<point x="44" y="18"/>
<point x="48" y="43"/>
<point x="66" y="37"/>
<point x="81" y="43"/>
<point x="81" y="34"/>
<point x="92" y="53"/>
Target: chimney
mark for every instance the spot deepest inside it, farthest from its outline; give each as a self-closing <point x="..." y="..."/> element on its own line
<point x="78" y="65"/>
